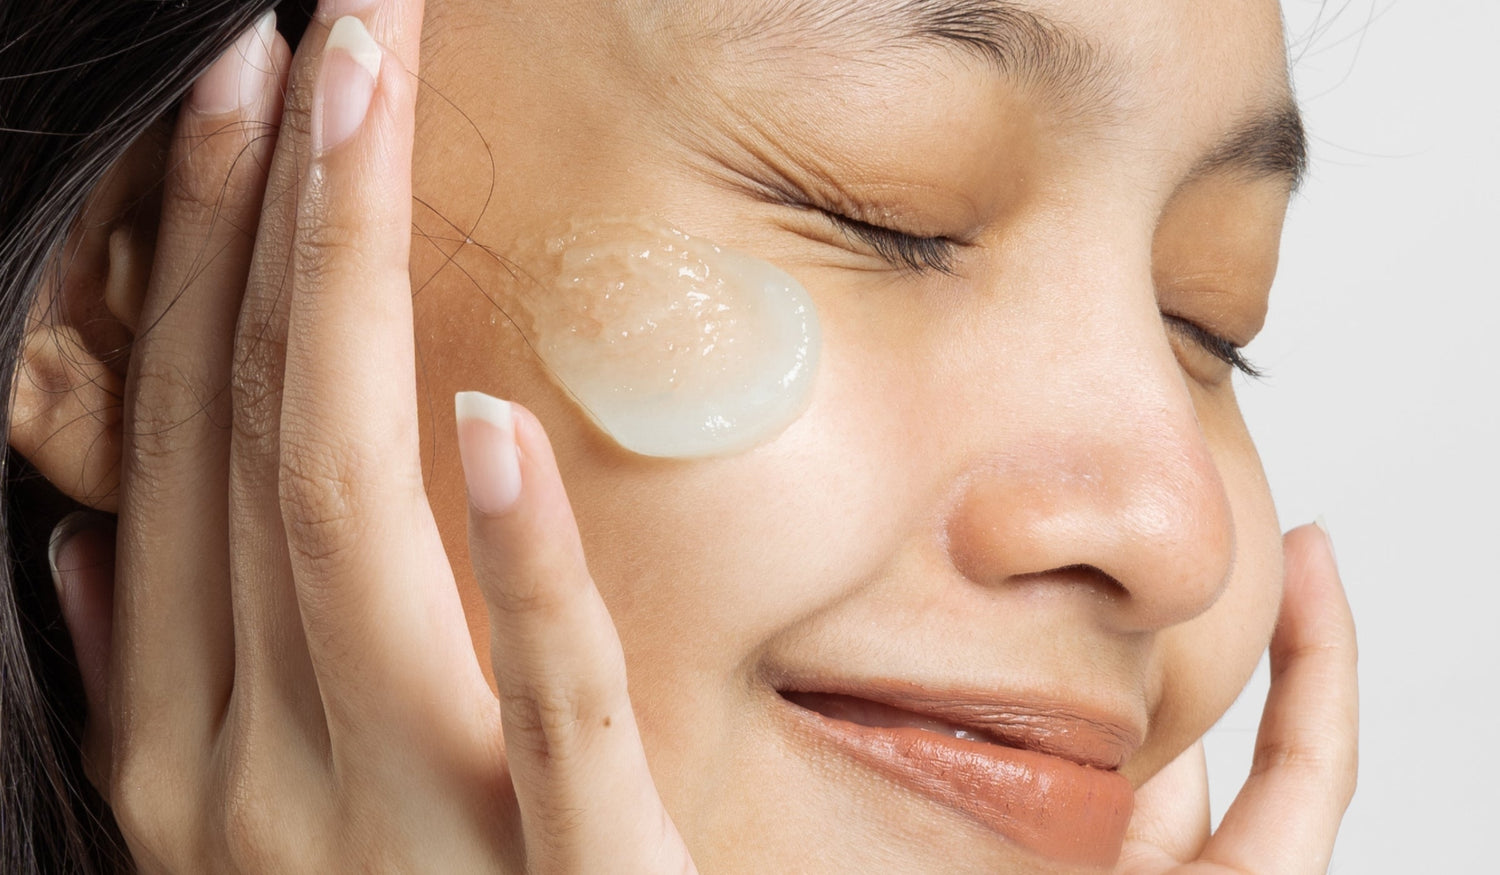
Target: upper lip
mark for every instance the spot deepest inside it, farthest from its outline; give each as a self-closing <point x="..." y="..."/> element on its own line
<point x="1086" y="735"/>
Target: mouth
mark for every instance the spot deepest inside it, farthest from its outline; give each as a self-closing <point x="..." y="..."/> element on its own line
<point x="1041" y="777"/>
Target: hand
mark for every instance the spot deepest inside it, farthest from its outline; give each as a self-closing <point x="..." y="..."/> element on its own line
<point x="1287" y="815"/>
<point x="290" y="682"/>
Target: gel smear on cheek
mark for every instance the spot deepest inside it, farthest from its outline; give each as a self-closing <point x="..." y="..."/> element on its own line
<point x="674" y="346"/>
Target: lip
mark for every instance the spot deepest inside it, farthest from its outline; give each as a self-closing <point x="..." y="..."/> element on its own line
<point x="1041" y="775"/>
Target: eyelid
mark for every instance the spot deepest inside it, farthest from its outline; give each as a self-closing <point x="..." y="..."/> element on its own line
<point x="1221" y="348"/>
<point x="924" y="254"/>
<point x="899" y="248"/>
<point x="937" y="254"/>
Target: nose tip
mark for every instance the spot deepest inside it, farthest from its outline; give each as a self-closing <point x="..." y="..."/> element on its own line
<point x="1150" y="529"/>
<point x="1171" y="547"/>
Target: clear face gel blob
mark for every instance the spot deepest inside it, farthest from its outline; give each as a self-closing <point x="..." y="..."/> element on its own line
<point x="674" y="346"/>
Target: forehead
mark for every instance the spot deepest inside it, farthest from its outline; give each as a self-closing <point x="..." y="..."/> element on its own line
<point x="1210" y="74"/>
<point x="1060" y="42"/>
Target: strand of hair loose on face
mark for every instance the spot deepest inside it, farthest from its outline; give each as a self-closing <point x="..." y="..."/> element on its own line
<point x="508" y="265"/>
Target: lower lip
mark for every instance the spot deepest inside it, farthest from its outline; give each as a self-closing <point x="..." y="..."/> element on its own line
<point x="1053" y="807"/>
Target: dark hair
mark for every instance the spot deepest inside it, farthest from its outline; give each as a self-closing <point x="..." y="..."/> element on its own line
<point x="80" y="81"/>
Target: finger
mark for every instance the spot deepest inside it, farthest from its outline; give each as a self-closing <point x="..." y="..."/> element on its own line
<point x="174" y="644"/>
<point x="588" y="803"/>
<point x="274" y="678"/>
<point x="385" y="628"/>
<point x="81" y="554"/>
<point x="1170" y="823"/>
<point x="1286" y="817"/>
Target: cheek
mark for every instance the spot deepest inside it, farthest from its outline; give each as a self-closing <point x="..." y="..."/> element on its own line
<point x="684" y="393"/>
<point x="672" y="346"/>
<point x="706" y="563"/>
<point x="705" y="560"/>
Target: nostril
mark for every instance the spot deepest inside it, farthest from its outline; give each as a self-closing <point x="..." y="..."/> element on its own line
<point x="1097" y="582"/>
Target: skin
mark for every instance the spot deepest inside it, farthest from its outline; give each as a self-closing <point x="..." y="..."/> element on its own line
<point x="940" y="484"/>
<point x="1012" y="478"/>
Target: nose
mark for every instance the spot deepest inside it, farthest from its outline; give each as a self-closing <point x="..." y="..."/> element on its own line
<point x="1102" y="473"/>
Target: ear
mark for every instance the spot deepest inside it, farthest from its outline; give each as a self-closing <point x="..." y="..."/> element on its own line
<point x="66" y="402"/>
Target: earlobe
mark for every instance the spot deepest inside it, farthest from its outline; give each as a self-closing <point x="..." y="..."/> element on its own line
<point x="66" y="398"/>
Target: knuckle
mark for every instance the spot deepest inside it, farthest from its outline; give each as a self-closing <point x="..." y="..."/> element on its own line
<point x="198" y="188"/>
<point x="262" y="801"/>
<point x="559" y="826"/>
<point x="1290" y="755"/>
<point x="256" y="388"/>
<point x="556" y="715"/>
<point x="260" y="334"/>
<point x="520" y="597"/>
<point x="214" y="172"/>
<point x="297" y="112"/>
<point x="548" y="585"/>
<point x="160" y="382"/>
<point x="165" y="398"/>
<point x="548" y="721"/>
<point x="324" y="241"/>
<point x="249" y="826"/>
<point x="1324" y="762"/>
<point x="1299" y="652"/>
<point x="154" y="406"/>
<point x="256" y="370"/>
<point x="319" y="486"/>
<point x="152" y="826"/>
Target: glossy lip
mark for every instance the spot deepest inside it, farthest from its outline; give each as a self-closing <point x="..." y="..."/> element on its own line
<point x="1043" y="777"/>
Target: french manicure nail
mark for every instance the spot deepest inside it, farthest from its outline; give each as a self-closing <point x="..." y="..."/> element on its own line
<point x="351" y="67"/>
<point x="1322" y="525"/>
<point x="487" y="449"/>
<point x="240" y="76"/>
<point x="57" y="544"/>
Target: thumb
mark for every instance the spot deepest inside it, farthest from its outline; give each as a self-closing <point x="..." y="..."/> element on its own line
<point x="81" y="555"/>
<point x="1170" y="823"/>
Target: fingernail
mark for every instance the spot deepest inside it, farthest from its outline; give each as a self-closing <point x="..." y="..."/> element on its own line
<point x="351" y="66"/>
<point x="487" y="449"/>
<point x="1322" y="524"/>
<point x="240" y="76"/>
<point x="58" y="554"/>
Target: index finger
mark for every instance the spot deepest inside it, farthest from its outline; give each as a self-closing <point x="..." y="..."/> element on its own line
<point x="1287" y="816"/>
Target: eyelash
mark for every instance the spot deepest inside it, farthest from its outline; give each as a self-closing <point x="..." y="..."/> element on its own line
<point x="903" y="250"/>
<point x="938" y="254"/>
<point x="1220" y="348"/>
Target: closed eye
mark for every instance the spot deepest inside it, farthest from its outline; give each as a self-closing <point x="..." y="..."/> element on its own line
<point x="1221" y="348"/>
<point x="939" y="255"/>
<point x="900" y="249"/>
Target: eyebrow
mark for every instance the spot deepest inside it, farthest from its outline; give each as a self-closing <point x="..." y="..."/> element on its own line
<point x="1271" y="144"/>
<point x="1019" y="43"/>
<point x="1033" y="49"/>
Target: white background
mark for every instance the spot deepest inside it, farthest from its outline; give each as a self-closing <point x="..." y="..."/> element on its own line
<point x="1383" y="414"/>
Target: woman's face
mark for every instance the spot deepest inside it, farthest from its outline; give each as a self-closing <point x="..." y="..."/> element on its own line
<point x="1020" y="493"/>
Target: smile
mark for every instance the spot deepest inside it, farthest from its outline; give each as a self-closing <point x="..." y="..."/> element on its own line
<point x="1044" y="780"/>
